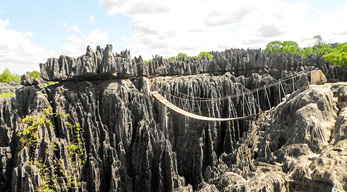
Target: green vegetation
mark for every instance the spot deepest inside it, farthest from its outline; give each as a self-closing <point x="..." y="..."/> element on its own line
<point x="75" y="148"/>
<point x="179" y="56"/>
<point x="146" y="62"/>
<point x="182" y="55"/>
<point x="334" y="53"/>
<point x="51" y="83"/>
<point x="202" y="54"/>
<point x="7" y="77"/>
<point x="338" y="56"/>
<point x="34" y="74"/>
<point x="30" y="138"/>
<point x="185" y="56"/>
<point x="8" y="94"/>
<point x="285" y="46"/>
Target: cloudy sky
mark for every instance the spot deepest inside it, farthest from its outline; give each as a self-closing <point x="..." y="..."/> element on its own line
<point x="33" y="31"/>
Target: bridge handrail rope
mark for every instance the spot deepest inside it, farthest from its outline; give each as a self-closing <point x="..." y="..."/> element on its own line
<point x="249" y="92"/>
<point x="167" y="103"/>
<point x="245" y="103"/>
<point x="230" y="96"/>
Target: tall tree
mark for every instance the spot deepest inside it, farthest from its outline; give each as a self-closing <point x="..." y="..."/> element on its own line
<point x="338" y="56"/>
<point x="318" y="40"/>
<point x="285" y="46"/>
<point x="8" y="77"/>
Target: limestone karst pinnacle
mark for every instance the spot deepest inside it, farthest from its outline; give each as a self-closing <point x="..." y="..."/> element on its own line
<point x="109" y="134"/>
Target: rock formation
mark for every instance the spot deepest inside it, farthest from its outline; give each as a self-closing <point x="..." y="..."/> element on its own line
<point x="104" y="64"/>
<point x="296" y="148"/>
<point x="6" y="88"/>
<point x="100" y="130"/>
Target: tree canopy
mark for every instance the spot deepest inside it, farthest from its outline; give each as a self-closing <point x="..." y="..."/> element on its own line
<point x="185" y="56"/>
<point x="34" y="74"/>
<point x="204" y="54"/>
<point x="334" y="53"/>
<point x="338" y="55"/>
<point x="285" y="46"/>
<point x="179" y="56"/>
<point x="7" y="77"/>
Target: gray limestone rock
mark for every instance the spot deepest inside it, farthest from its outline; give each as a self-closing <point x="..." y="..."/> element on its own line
<point x="101" y="64"/>
<point x="106" y="132"/>
<point x="300" y="146"/>
<point x="104" y="64"/>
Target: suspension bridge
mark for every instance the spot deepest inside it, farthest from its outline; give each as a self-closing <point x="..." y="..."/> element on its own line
<point x="316" y="76"/>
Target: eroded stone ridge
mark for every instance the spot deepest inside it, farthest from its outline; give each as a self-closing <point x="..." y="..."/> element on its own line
<point x="100" y="64"/>
<point x="127" y="141"/>
<point x="103" y="64"/>
<point x="245" y="62"/>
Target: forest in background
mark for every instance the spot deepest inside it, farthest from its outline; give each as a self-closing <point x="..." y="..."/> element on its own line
<point x="335" y="53"/>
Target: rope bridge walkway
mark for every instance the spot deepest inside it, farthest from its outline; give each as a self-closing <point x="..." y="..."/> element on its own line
<point x="178" y="110"/>
<point x="245" y="103"/>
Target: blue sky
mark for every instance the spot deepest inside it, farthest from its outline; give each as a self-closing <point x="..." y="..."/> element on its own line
<point x="45" y="18"/>
<point x="33" y="31"/>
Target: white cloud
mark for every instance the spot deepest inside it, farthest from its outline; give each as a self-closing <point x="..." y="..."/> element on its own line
<point x="76" y="45"/>
<point x="73" y="28"/>
<point x="171" y="26"/>
<point x="270" y="30"/>
<point x="167" y="27"/>
<point x="19" y="54"/>
<point x="135" y="7"/>
<point x="336" y="29"/>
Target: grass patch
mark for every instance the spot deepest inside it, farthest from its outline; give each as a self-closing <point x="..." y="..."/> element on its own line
<point x="8" y="94"/>
<point x="51" y="83"/>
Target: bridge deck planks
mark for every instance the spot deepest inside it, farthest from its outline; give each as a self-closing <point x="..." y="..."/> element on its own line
<point x="178" y="110"/>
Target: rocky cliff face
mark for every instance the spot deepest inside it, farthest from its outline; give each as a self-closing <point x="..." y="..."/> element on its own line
<point x="103" y="64"/>
<point x="104" y="132"/>
<point x="298" y="147"/>
<point x="6" y="88"/>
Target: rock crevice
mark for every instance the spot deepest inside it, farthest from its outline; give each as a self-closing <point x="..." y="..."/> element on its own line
<point x="106" y="133"/>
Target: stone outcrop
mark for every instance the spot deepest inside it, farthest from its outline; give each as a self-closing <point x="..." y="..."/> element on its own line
<point x="6" y="88"/>
<point x="246" y="62"/>
<point x="104" y="64"/>
<point x="298" y="147"/>
<point x="122" y="143"/>
<point x="101" y="64"/>
<point x="28" y="81"/>
<point x="106" y="133"/>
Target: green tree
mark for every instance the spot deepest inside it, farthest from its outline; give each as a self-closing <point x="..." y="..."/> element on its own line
<point x="318" y="40"/>
<point x="285" y="46"/>
<point x="274" y="47"/>
<point x="182" y="55"/>
<point x="146" y="62"/>
<point x="206" y="54"/>
<point x="34" y="74"/>
<point x="290" y="47"/>
<point x="338" y="56"/>
<point x="179" y="56"/>
<point x="322" y="49"/>
<point x="8" y="77"/>
<point x="335" y="53"/>
<point x="305" y="52"/>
